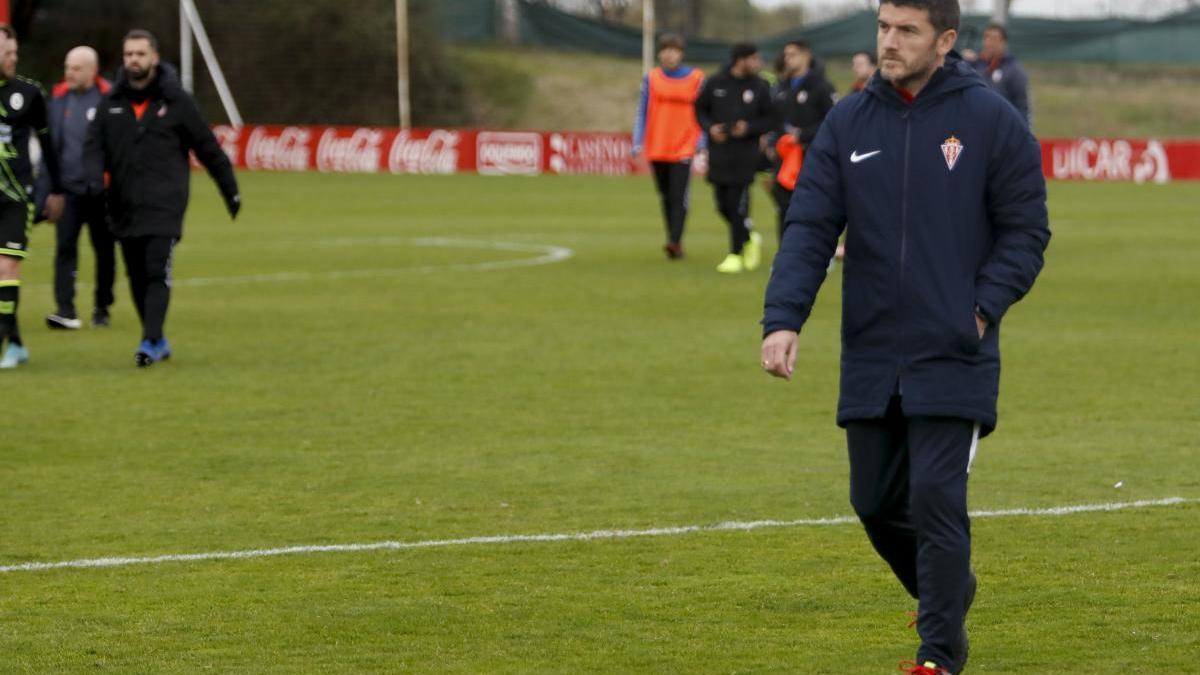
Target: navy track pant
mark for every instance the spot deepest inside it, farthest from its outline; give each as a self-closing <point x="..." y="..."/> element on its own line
<point x="733" y="203"/>
<point x="908" y="485"/>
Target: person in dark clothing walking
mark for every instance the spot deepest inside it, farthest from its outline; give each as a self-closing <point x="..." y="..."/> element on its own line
<point x="939" y="185"/>
<point x="141" y="137"/>
<point x="22" y="113"/>
<point x="734" y="109"/>
<point x="73" y="105"/>
<point x="1001" y="70"/>
<point x="666" y="133"/>
<point x="802" y="99"/>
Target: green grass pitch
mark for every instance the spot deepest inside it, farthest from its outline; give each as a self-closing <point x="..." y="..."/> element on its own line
<point x="338" y="380"/>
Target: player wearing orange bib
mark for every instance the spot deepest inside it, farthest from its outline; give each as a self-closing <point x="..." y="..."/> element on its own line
<point x="666" y="133"/>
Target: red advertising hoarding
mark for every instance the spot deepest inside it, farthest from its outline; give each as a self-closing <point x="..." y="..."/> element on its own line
<point x="1120" y="159"/>
<point x="531" y="153"/>
<point x="432" y="151"/>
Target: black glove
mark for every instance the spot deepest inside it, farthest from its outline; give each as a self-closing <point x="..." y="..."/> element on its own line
<point x="233" y="205"/>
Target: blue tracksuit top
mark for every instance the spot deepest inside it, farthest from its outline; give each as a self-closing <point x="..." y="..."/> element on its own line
<point x="944" y="203"/>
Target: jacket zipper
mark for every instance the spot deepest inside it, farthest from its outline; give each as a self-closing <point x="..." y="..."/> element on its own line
<point x="907" y="115"/>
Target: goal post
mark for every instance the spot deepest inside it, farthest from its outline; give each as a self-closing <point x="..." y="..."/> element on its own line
<point x="190" y="26"/>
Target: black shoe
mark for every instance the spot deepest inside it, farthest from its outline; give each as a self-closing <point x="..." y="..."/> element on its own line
<point x="100" y="318"/>
<point x="64" y="321"/>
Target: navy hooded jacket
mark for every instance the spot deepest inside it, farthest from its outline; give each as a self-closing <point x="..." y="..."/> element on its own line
<point x="944" y="202"/>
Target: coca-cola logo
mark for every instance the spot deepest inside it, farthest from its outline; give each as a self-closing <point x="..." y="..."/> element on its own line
<point x="288" y="151"/>
<point x="359" y="153"/>
<point x="228" y="137"/>
<point x="604" y="154"/>
<point x="1090" y="159"/>
<point x="501" y="152"/>
<point x="436" y="153"/>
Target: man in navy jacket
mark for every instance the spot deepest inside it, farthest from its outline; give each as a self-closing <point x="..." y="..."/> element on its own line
<point x="72" y="107"/>
<point x="939" y="184"/>
<point x="1002" y="70"/>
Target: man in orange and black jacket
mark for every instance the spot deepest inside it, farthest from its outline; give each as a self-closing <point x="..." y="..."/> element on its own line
<point x="141" y="137"/>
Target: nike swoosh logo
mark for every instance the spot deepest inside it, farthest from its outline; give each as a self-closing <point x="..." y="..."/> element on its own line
<point x="855" y="158"/>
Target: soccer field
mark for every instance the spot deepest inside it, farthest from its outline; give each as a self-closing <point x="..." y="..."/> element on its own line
<point x="367" y="359"/>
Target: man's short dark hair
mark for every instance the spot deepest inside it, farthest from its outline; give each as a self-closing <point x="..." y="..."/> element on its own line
<point x="943" y="14"/>
<point x="870" y="56"/>
<point x="999" y="28"/>
<point x="670" y="41"/>
<point x="802" y="45"/>
<point x="741" y="50"/>
<point x="142" y="34"/>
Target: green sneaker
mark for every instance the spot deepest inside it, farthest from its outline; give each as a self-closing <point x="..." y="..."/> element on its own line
<point x="732" y="264"/>
<point x="752" y="253"/>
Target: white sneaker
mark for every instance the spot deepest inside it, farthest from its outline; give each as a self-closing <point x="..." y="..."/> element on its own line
<point x="60" y="322"/>
<point x="14" y="355"/>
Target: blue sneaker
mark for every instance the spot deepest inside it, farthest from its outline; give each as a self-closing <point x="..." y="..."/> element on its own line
<point x="145" y="354"/>
<point x="150" y="351"/>
<point x="14" y="355"/>
<point x="164" y="350"/>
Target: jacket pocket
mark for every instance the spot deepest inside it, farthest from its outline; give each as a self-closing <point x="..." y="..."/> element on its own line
<point x="970" y="340"/>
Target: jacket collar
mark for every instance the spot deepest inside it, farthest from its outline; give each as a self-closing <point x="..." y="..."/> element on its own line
<point x="954" y="75"/>
<point x="166" y="82"/>
<point x="62" y="88"/>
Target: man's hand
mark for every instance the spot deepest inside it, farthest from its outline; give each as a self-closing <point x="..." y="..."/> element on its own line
<point x="54" y="207"/>
<point x="741" y="128"/>
<point x="717" y="133"/>
<point x="981" y="325"/>
<point x="779" y="353"/>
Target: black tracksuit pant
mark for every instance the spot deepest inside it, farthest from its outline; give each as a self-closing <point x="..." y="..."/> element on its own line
<point x="733" y="203"/>
<point x="908" y="485"/>
<point x="783" y="199"/>
<point x="148" y="263"/>
<point x="80" y="210"/>
<point x="672" y="178"/>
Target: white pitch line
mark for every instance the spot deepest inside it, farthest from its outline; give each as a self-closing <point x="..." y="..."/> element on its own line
<point x="549" y="255"/>
<point x="731" y="526"/>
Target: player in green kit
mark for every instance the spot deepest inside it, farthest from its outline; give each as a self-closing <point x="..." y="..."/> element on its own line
<point x="22" y="111"/>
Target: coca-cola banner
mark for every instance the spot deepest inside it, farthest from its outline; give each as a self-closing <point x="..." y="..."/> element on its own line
<point x="441" y="151"/>
<point x="447" y="151"/>
<point x="1129" y="160"/>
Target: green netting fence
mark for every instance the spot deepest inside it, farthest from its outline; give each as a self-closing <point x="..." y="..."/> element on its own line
<point x="1174" y="39"/>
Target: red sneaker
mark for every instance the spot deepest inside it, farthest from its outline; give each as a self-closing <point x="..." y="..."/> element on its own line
<point x="673" y="249"/>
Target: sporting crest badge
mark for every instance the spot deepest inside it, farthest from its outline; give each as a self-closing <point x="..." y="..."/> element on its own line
<point x="952" y="149"/>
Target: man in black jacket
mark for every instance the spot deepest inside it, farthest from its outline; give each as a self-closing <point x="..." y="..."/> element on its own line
<point x="22" y="112"/>
<point x="802" y="99"/>
<point x="141" y="137"/>
<point x="734" y="109"/>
